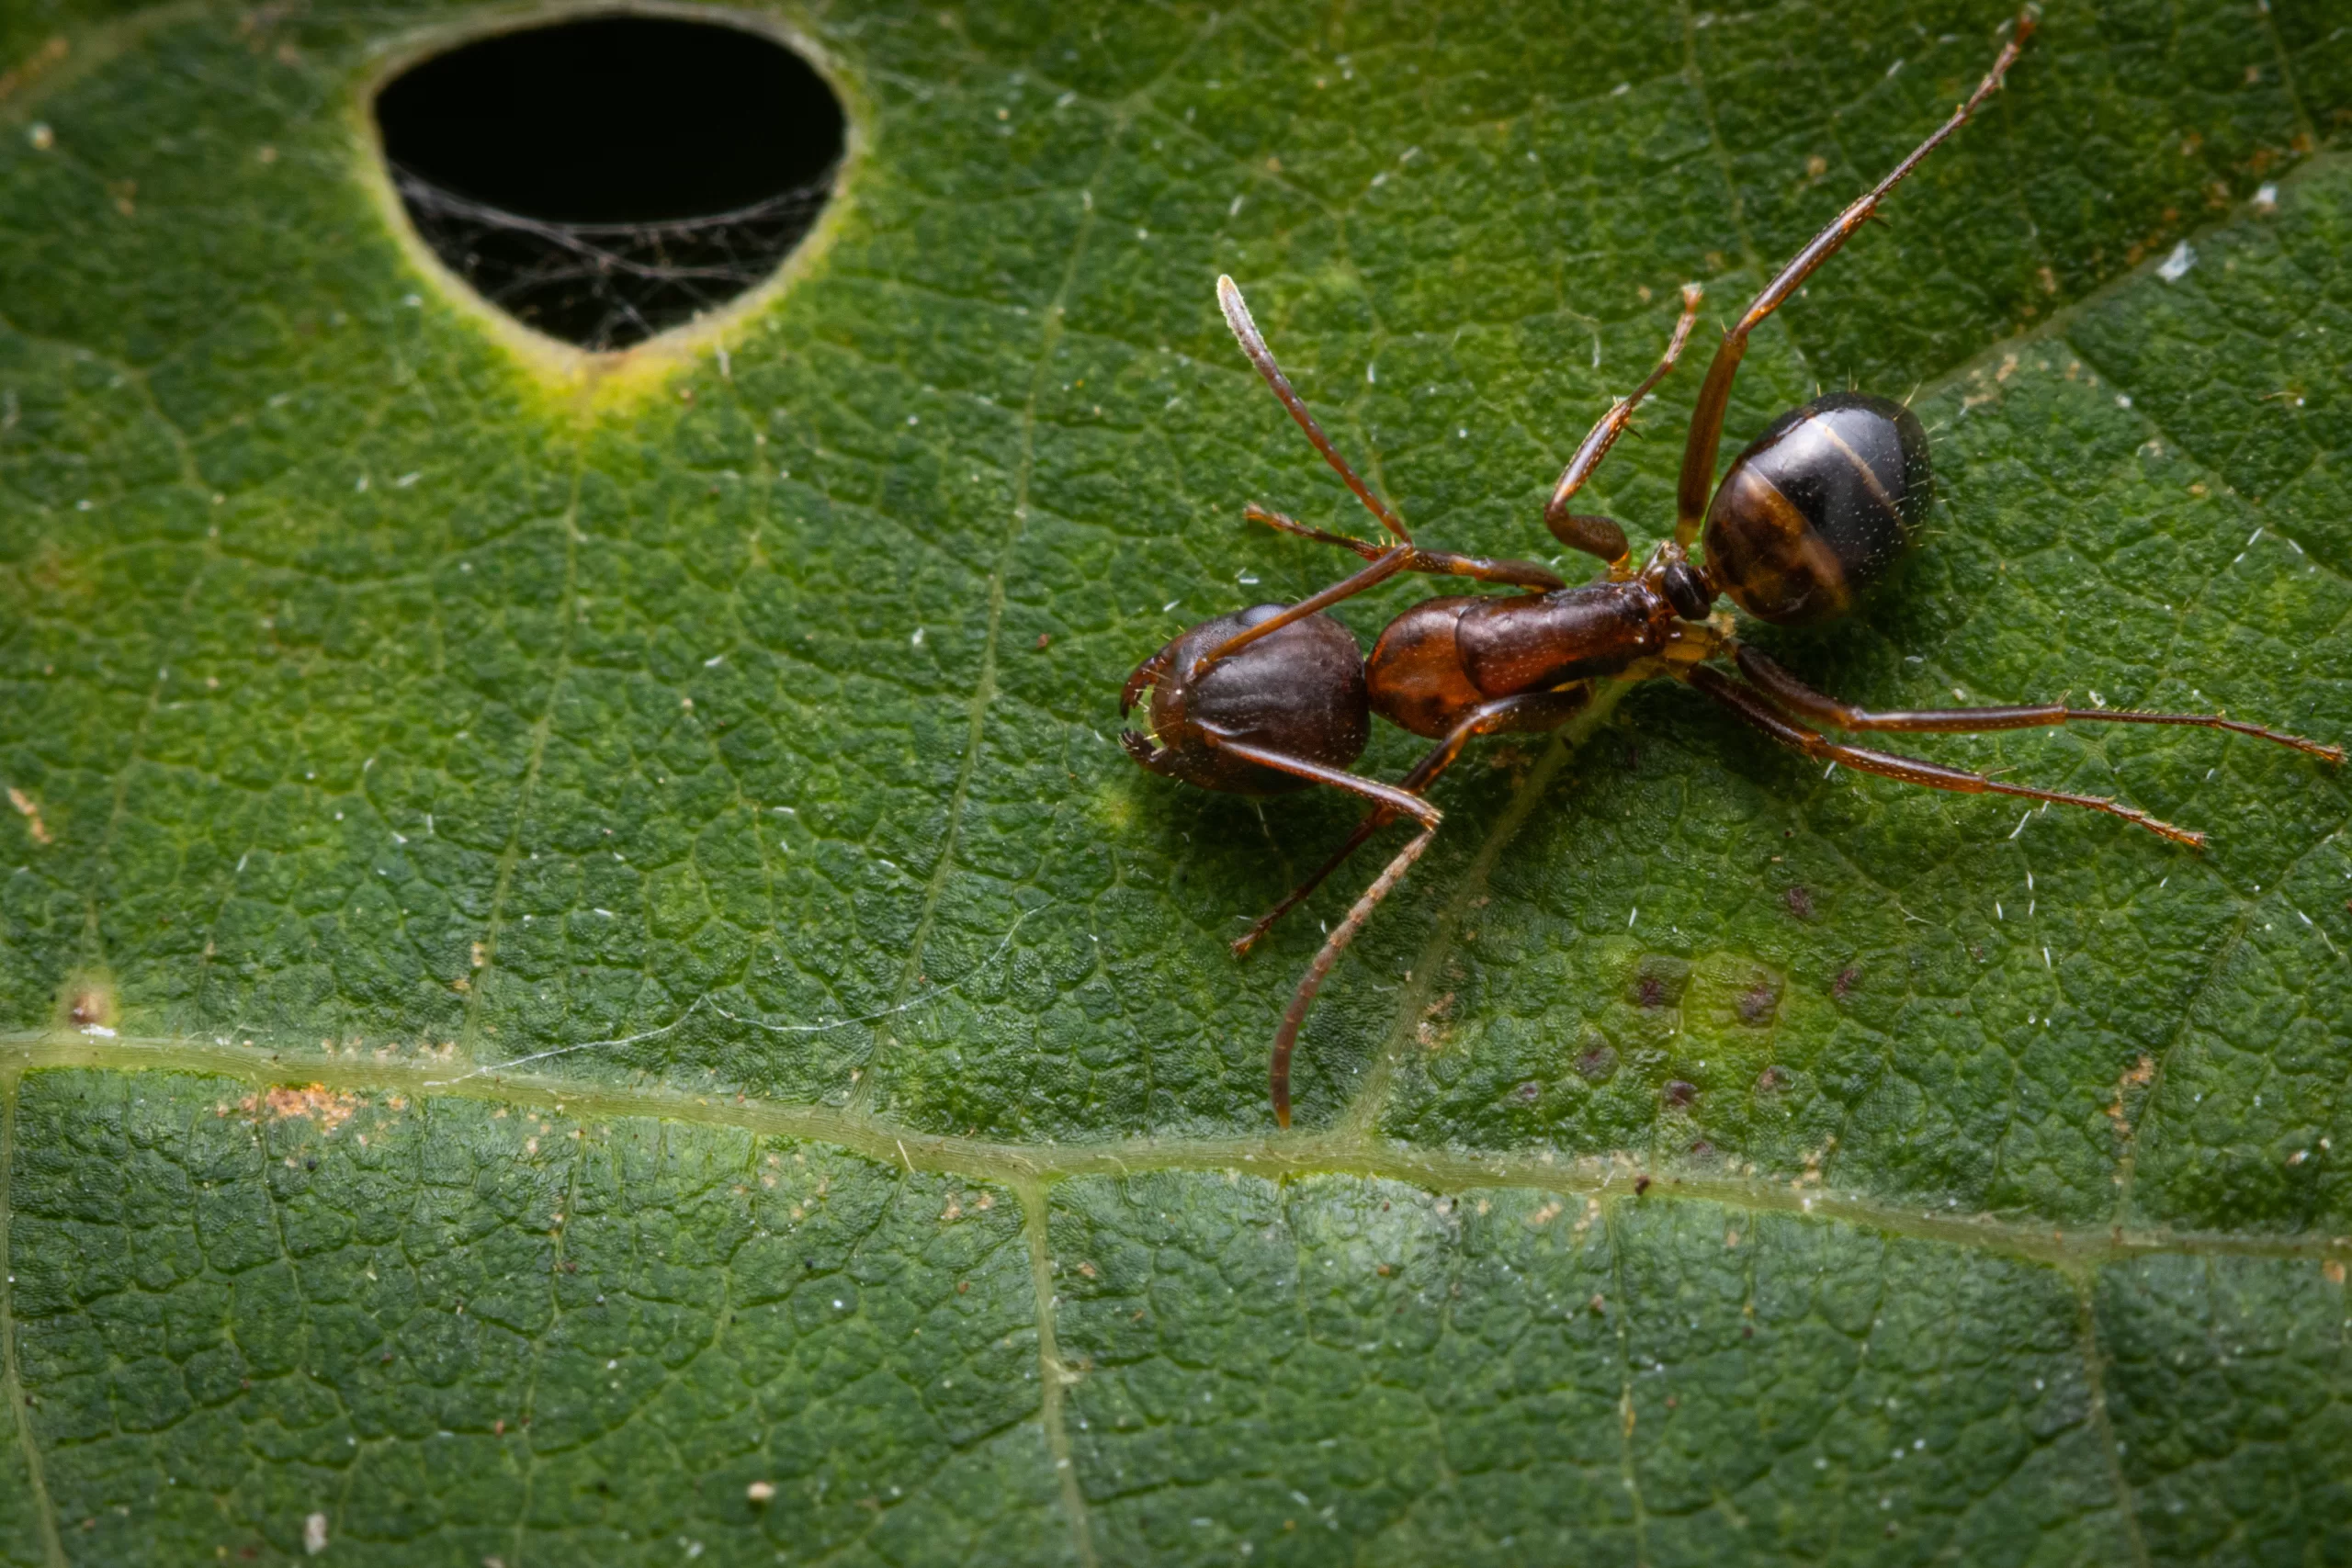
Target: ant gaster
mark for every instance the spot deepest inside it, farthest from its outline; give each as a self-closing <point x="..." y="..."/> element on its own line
<point x="1816" y="511"/>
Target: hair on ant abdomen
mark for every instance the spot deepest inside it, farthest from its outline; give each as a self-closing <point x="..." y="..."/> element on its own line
<point x="1811" y="514"/>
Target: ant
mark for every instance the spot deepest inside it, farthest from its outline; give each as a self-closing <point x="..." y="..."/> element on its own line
<point x="1818" y="511"/>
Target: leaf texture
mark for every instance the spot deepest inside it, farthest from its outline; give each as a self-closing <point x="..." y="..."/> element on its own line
<point x="585" y="977"/>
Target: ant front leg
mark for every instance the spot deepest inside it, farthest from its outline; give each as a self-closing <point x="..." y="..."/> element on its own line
<point x="1697" y="479"/>
<point x="1603" y="536"/>
<point x="1389" y="797"/>
<point x="1437" y="563"/>
<point x="1536" y="711"/>
<point x="1753" y="706"/>
<point x="1788" y="692"/>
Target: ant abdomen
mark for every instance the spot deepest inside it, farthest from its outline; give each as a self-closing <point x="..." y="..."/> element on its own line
<point x="1298" y="690"/>
<point x="1819" y="509"/>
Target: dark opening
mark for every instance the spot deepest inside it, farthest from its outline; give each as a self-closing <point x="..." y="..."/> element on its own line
<point x="605" y="180"/>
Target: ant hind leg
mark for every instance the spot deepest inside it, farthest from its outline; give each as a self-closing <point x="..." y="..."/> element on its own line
<point x="1817" y="707"/>
<point x="1697" y="479"/>
<point x="1753" y="706"/>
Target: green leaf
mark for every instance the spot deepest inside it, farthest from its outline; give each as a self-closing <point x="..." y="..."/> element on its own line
<point x="586" y="975"/>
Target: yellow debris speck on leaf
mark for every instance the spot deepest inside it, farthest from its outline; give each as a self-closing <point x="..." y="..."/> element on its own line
<point x="30" y="809"/>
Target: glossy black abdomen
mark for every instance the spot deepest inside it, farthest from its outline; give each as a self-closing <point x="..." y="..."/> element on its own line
<point x="1820" y="509"/>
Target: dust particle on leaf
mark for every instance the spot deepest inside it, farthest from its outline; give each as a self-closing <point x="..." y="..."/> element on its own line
<point x="91" y="1006"/>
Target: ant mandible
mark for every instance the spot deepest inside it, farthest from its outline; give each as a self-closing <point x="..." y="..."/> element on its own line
<point x="1815" y="513"/>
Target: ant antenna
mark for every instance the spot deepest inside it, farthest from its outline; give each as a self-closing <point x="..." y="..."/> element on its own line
<point x="1253" y="343"/>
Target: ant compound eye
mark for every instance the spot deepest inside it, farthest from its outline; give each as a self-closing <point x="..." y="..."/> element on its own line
<point x="1687" y="592"/>
<point x="604" y="180"/>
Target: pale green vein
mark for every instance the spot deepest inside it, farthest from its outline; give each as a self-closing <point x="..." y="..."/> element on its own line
<point x="1621" y="1310"/>
<point x="1608" y="1175"/>
<point x="1363" y="1108"/>
<point x="865" y="1083"/>
<point x="2126" y="1504"/>
<point x="569" y="609"/>
<point x="1054" y="1376"/>
<point x="12" y="1386"/>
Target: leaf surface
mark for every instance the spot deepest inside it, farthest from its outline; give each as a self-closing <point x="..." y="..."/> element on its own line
<point x="586" y="975"/>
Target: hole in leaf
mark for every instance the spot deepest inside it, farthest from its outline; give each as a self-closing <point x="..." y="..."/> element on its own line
<point x="605" y="180"/>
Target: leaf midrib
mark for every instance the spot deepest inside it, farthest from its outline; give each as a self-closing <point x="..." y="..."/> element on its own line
<point x="1611" y="1177"/>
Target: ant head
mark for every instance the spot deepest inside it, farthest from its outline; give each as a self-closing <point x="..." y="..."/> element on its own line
<point x="1298" y="690"/>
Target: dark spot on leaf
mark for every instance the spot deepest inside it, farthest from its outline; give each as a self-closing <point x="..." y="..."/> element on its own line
<point x="1597" y="1063"/>
<point x="1702" y="1150"/>
<point x="1846" y="979"/>
<point x="1771" y="1080"/>
<point x="1658" y="980"/>
<point x="1800" y="902"/>
<point x="1528" y="1093"/>
<point x="1758" y="1004"/>
<point x="1680" y="1094"/>
<point x="1641" y="1185"/>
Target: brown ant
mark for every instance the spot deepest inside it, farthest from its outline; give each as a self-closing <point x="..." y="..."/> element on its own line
<point x="1815" y="513"/>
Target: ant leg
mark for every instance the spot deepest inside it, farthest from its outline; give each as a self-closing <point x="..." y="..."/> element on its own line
<point x="1391" y="799"/>
<point x="1388" y="795"/>
<point x="1817" y="707"/>
<point x="1602" y="536"/>
<point x="1385" y="565"/>
<point x="1253" y="343"/>
<point x="1698" y="480"/>
<point x="1535" y="710"/>
<point x="1752" y="705"/>
<point x="1441" y="563"/>
<point x="1287" y="1037"/>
